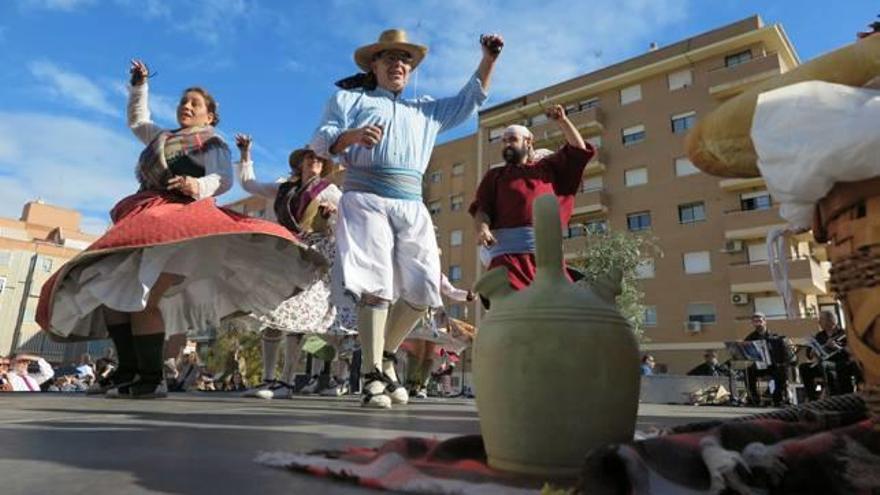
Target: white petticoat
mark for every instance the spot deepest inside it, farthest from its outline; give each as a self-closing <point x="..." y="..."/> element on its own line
<point x="222" y="275"/>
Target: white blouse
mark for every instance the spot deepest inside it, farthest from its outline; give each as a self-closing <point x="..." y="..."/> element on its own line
<point x="217" y="160"/>
<point x="331" y="194"/>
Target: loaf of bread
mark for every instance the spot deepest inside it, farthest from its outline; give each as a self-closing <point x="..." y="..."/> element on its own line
<point x="720" y="143"/>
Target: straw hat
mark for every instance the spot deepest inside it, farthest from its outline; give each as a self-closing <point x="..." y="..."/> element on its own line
<point x="297" y="156"/>
<point x="392" y="39"/>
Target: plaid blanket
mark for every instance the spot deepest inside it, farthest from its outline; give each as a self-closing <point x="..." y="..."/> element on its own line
<point x="826" y="447"/>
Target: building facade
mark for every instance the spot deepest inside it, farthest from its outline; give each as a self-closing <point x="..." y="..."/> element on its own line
<point x="31" y="249"/>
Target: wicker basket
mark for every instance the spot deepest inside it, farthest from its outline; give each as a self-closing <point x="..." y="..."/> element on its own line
<point x="848" y="218"/>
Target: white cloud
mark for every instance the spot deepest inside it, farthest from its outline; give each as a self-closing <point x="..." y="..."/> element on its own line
<point x="64" y="5"/>
<point x="545" y="42"/>
<point x="209" y="22"/>
<point x="64" y="161"/>
<point x="72" y="87"/>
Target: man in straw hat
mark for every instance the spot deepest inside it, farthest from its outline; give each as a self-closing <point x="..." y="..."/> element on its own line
<point x="387" y="251"/>
<point x="502" y="209"/>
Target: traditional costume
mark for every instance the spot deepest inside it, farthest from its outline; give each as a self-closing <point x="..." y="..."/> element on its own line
<point x="297" y="207"/>
<point x="506" y="194"/>
<point x="385" y="237"/>
<point x="226" y="262"/>
<point x="440" y="333"/>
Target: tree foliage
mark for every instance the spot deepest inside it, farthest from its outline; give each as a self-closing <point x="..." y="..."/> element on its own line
<point x="602" y="252"/>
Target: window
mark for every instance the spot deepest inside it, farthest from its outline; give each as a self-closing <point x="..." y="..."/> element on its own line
<point x="30" y="314"/>
<point x="635" y="177"/>
<point x="5" y="257"/>
<point x="630" y="94"/>
<point x="2" y="284"/>
<point x="683" y="121"/>
<point x="737" y="58"/>
<point x="633" y="135"/>
<point x="684" y="167"/>
<point x="456" y="202"/>
<point x="771" y="306"/>
<point x="638" y="221"/>
<point x="650" y="316"/>
<point x="495" y="134"/>
<point x="455" y="238"/>
<point x="697" y="262"/>
<point x="595" y="183"/>
<point x="456" y="311"/>
<point x="757" y="253"/>
<point x="572" y="108"/>
<point x="436" y="177"/>
<point x="760" y="200"/>
<point x="702" y="312"/>
<point x="589" y="103"/>
<point x="596" y="141"/>
<point x="691" y="212"/>
<point x="457" y="169"/>
<point x="597" y="227"/>
<point x="539" y="119"/>
<point x="574" y="230"/>
<point x="259" y="213"/>
<point x="434" y="207"/>
<point x="46" y="263"/>
<point x="645" y="269"/>
<point x="680" y="79"/>
<point x="454" y="273"/>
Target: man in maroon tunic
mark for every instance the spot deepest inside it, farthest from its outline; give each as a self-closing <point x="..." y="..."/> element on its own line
<point x="502" y="210"/>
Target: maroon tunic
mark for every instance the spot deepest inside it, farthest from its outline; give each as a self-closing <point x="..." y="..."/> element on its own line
<point x="506" y="195"/>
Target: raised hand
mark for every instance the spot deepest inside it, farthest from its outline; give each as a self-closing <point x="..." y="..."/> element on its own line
<point x="244" y="142"/>
<point x="139" y="72"/>
<point x="492" y="44"/>
<point x="555" y="112"/>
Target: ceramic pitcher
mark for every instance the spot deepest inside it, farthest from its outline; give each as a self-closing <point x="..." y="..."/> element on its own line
<point x="556" y="367"/>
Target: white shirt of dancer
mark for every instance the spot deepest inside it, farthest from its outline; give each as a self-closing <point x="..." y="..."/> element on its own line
<point x="269" y="190"/>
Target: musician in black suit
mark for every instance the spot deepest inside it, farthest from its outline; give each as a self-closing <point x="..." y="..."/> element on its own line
<point x="779" y="360"/>
<point x="838" y="369"/>
<point x="710" y="367"/>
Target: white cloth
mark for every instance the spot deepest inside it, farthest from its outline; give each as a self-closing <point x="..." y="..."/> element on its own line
<point x="810" y="135"/>
<point x="31" y="382"/>
<point x="386" y="248"/>
<point x="218" y="165"/>
<point x="223" y="275"/>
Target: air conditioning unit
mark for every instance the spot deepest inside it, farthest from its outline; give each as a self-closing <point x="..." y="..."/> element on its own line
<point x="739" y="298"/>
<point x="694" y="326"/>
<point x="734" y="246"/>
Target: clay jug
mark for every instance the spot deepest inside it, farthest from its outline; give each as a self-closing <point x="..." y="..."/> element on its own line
<point x="556" y="367"/>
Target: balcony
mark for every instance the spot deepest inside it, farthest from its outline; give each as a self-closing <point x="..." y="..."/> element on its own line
<point x="734" y="185"/>
<point x="725" y="82"/>
<point x="751" y="224"/>
<point x="591" y="202"/>
<point x="805" y="274"/>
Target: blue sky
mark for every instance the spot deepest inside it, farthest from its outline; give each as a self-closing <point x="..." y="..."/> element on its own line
<point x="271" y="65"/>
